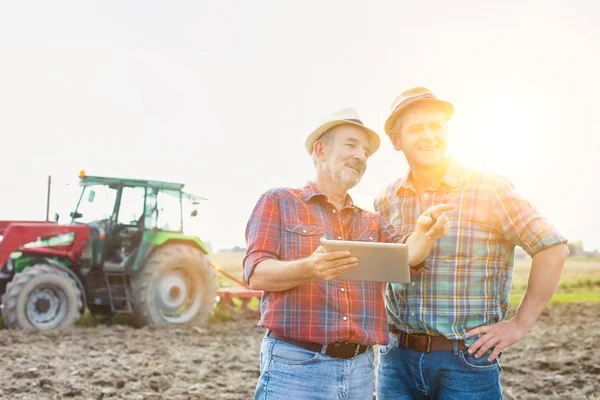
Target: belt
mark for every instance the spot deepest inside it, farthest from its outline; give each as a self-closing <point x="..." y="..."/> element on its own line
<point x="425" y="343"/>
<point x="343" y="350"/>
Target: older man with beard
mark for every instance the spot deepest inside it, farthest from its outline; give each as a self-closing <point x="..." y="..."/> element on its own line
<point x="320" y="330"/>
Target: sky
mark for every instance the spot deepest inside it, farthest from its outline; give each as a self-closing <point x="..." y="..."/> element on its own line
<point x="221" y="96"/>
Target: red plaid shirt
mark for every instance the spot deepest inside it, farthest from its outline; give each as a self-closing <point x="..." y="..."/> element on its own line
<point x="286" y="225"/>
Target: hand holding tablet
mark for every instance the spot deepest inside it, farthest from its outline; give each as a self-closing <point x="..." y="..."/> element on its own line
<point x="377" y="262"/>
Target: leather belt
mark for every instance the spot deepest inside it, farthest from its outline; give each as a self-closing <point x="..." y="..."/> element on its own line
<point x="343" y="350"/>
<point x="425" y="343"/>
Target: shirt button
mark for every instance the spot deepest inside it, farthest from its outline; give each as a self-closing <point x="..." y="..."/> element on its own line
<point x="412" y="313"/>
<point x="303" y="230"/>
<point x="334" y="211"/>
<point x="339" y="238"/>
<point x="413" y="283"/>
<point x="342" y="289"/>
<point x="370" y="237"/>
<point x="344" y="318"/>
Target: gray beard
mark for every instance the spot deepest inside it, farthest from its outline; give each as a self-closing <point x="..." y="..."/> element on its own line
<point x="348" y="178"/>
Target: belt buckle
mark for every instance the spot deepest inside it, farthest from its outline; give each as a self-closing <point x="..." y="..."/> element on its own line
<point x="356" y="349"/>
<point x="427" y="347"/>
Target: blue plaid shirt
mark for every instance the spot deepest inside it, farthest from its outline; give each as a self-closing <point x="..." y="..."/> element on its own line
<point x="468" y="274"/>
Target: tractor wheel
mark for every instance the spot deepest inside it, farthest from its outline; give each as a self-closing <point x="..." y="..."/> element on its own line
<point x="176" y="286"/>
<point x="41" y="297"/>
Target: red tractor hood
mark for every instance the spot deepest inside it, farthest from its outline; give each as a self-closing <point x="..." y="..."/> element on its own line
<point x="15" y="234"/>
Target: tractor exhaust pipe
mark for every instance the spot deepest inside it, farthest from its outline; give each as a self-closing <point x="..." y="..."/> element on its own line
<point x="48" y="199"/>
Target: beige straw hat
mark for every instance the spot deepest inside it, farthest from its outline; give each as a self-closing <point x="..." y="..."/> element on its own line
<point x="343" y="116"/>
<point x="412" y="96"/>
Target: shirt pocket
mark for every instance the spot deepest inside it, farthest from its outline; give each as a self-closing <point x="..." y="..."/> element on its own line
<point x="476" y="216"/>
<point x="300" y="240"/>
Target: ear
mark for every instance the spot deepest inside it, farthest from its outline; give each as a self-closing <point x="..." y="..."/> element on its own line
<point x="319" y="148"/>
<point x="396" y="141"/>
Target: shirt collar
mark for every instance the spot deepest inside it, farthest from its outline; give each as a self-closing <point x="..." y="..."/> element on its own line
<point x="310" y="191"/>
<point x="454" y="176"/>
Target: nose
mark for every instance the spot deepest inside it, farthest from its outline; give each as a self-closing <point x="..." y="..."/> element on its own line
<point x="428" y="133"/>
<point x="361" y="155"/>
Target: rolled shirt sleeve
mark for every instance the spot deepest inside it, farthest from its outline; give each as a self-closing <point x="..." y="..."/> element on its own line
<point x="263" y="232"/>
<point x="520" y="223"/>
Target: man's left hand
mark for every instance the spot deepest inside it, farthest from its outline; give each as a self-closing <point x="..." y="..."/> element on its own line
<point x="499" y="336"/>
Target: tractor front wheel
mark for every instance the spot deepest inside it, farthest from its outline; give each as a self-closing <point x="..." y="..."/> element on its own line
<point x="176" y="286"/>
<point x="41" y="297"/>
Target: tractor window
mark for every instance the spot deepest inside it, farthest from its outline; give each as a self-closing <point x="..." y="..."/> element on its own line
<point x="169" y="216"/>
<point x="132" y="205"/>
<point x="96" y="204"/>
<point x="163" y="210"/>
<point x="151" y="209"/>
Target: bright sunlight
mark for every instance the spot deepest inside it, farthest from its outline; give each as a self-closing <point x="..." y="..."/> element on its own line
<point x="501" y="135"/>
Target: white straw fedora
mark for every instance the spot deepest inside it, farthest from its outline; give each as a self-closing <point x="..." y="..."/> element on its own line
<point x="343" y="116"/>
<point x="412" y="96"/>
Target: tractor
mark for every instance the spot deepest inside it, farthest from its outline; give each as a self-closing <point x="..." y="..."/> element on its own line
<point x="124" y="251"/>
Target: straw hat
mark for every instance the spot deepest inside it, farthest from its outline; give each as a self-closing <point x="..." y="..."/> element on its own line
<point x="412" y="96"/>
<point x="343" y="116"/>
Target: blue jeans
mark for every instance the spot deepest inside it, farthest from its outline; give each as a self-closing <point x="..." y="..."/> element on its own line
<point x="444" y="374"/>
<point x="290" y="372"/>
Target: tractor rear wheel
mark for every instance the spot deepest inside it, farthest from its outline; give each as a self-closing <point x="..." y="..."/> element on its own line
<point x="41" y="297"/>
<point x="176" y="286"/>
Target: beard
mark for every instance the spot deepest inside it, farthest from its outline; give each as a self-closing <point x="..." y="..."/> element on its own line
<point x="348" y="173"/>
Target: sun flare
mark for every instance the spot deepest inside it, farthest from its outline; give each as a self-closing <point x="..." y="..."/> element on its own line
<point x="502" y="136"/>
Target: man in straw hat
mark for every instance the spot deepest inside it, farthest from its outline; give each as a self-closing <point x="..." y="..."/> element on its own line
<point x="320" y="331"/>
<point x="448" y="325"/>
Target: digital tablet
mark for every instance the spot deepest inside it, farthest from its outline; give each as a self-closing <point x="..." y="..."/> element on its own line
<point x="377" y="262"/>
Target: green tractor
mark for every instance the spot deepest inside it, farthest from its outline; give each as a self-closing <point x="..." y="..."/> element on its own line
<point x="124" y="252"/>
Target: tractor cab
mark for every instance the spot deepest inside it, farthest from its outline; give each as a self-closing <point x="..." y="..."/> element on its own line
<point x="119" y="212"/>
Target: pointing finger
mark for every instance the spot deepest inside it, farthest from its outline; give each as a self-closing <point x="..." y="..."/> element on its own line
<point x="436" y="210"/>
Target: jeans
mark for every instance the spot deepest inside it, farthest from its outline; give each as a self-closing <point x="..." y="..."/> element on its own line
<point x="444" y="374"/>
<point x="290" y="372"/>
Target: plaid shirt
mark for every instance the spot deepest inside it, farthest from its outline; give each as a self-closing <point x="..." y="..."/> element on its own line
<point x="467" y="277"/>
<point x="287" y="224"/>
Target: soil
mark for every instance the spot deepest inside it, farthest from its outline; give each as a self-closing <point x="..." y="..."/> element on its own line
<point x="559" y="358"/>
